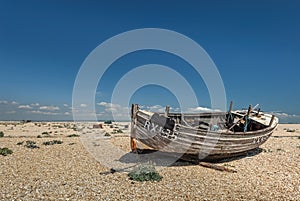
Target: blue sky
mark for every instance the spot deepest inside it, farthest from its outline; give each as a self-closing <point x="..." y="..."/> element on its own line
<point x="254" y="44"/>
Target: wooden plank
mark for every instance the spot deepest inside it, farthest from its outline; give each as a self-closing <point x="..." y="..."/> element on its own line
<point x="167" y="110"/>
<point x="217" y="167"/>
<point x="272" y="120"/>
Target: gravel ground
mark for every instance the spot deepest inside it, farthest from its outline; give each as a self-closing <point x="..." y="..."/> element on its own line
<point x="68" y="171"/>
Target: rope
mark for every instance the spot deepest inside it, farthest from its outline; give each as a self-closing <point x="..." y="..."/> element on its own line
<point x="230" y="119"/>
<point x="247" y="121"/>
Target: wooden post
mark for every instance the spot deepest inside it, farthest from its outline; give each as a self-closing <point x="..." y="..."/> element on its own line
<point x="247" y="118"/>
<point x="229" y="113"/>
<point x="134" y="110"/>
<point x="230" y="107"/>
<point x="258" y="111"/>
<point x="272" y="119"/>
<point x="133" y="142"/>
<point x="249" y="110"/>
<point x="167" y="110"/>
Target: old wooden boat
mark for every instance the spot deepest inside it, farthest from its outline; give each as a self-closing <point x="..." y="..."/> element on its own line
<point x="210" y="135"/>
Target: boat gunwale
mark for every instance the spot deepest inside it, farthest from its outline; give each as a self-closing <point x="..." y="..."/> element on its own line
<point x="226" y="132"/>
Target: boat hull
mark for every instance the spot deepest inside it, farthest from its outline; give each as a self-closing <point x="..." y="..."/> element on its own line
<point x="200" y="143"/>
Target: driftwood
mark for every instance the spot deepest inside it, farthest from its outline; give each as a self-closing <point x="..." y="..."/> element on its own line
<point x="114" y="170"/>
<point x="217" y="167"/>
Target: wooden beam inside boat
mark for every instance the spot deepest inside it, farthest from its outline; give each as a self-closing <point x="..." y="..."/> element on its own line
<point x="272" y="119"/>
<point x="134" y="110"/>
<point x="230" y="107"/>
<point x="167" y="110"/>
<point x="249" y="110"/>
<point x="133" y="142"/>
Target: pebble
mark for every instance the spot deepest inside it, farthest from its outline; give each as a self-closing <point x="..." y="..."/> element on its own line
<point x="64" y="172"/>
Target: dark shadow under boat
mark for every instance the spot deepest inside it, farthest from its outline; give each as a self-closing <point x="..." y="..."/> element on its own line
<point x="170" y="159"/>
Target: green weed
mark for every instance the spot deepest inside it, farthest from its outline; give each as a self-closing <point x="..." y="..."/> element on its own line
<point x="145" y="172"/>
<point x="52" y="142"/>
<point x="5" y="151"/>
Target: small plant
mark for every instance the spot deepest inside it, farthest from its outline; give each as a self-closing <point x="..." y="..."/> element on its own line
<point x="279" y="149"/>
<point x="95" y="144"/>
<point x="107" y="134"/>
<point x="108" y="122"/>
<point x="39" y="136"/>
<point x="52" y="142"/>
<point x="290" y="130"/>
<point x="298" y="137"/>
<point x="118" y="131"/>
<point x="20" y="143"/>
<point x="298" y="147"/>
<point x="31" y="144"/>
<point x="46" y="134"/>
<point x="267" y="150"/>
<point x="73" y="135"/>
<point x="145" y="172"/>
<point x="115" y="131"/>
<point x="5" y="151"/>
<point x="72" y="143"/>
<point x="1" y="134"/>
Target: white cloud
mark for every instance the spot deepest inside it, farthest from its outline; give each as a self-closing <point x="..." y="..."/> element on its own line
<point x="83" y="105"/>
<point x="161" y="109"/>
<point x="103" y="103"/>
<point x="49" y="108"/>
<point x="282" y="114"/>
<point x="110" y="107"/>
<point x="3" y="102"/>
<point x="66" y="105"/>
<point x="25" y="107"/>
<point x="116" y="109"/>
<point x="156" y="108"/>
<point x="14" y="103"/>
<point x="67" y="113"/>
<point x="43" y="112"/>
<point x="286" y="118"/>
<point x="177" y="109"/>
<point x="7" y="102"/>
<point x="35" y="104"/>
<point x="199" y="109"/>
<point x="11" y="112"/>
